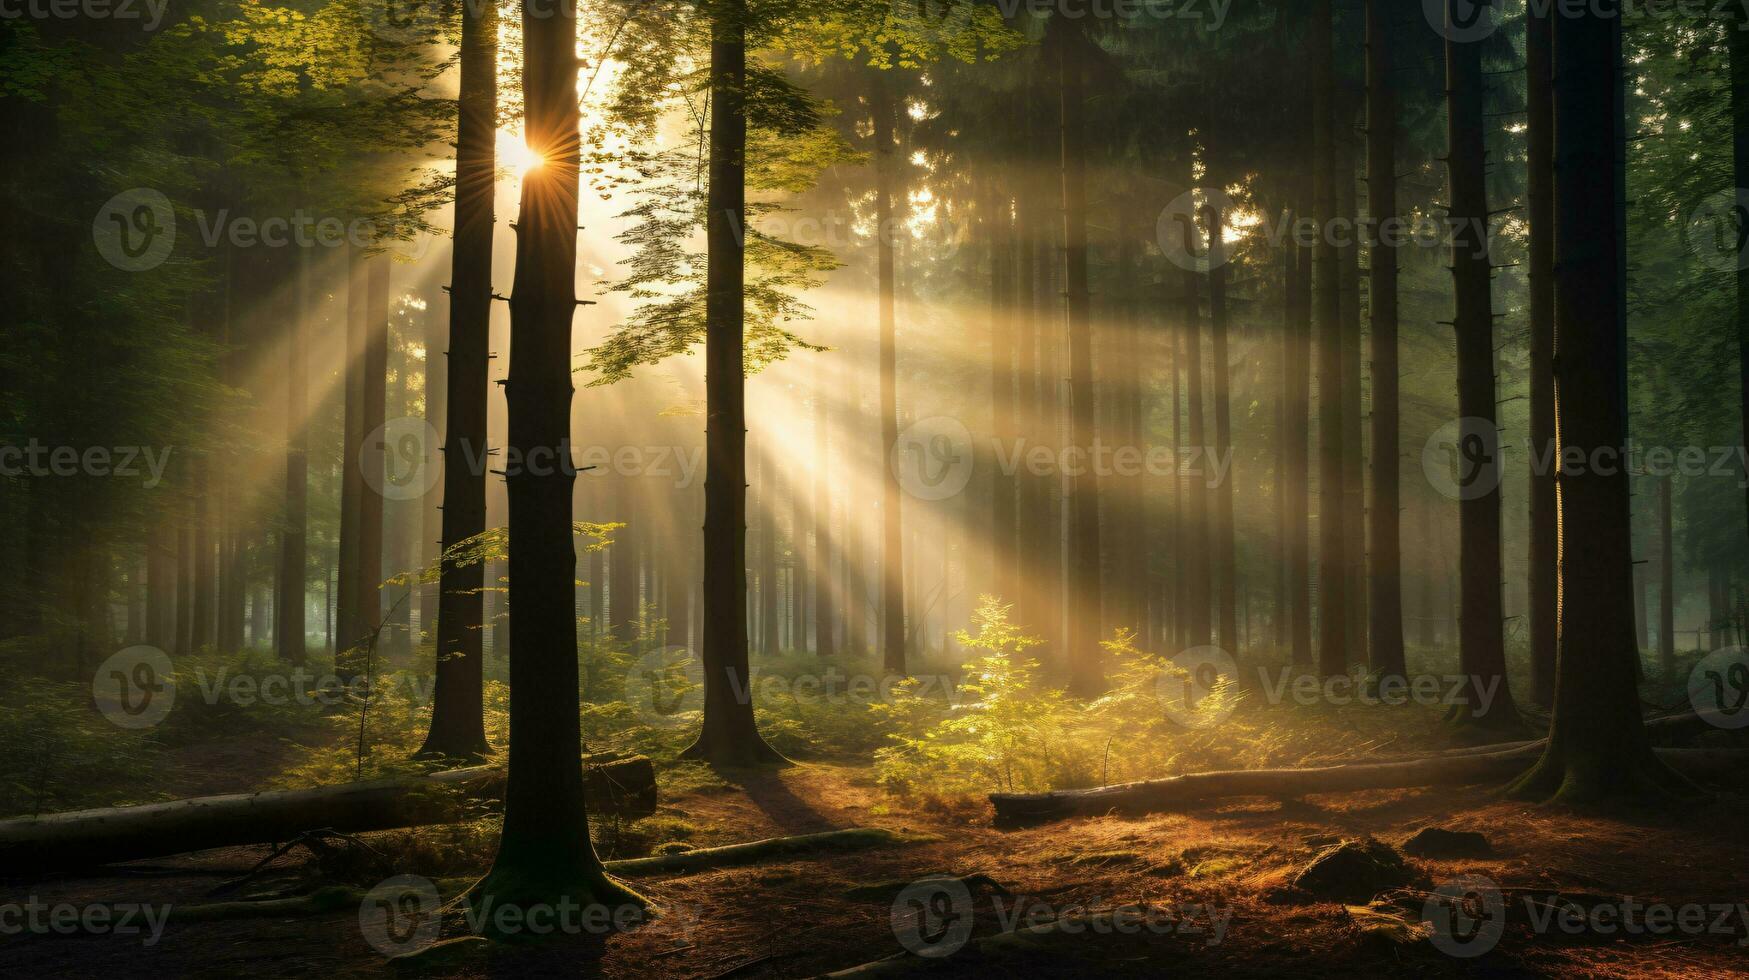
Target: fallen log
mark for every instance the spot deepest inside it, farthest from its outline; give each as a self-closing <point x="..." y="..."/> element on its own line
<point x="1456" y="770"/>
<point x="82" y="838"/>
<point x="775" y="848"/>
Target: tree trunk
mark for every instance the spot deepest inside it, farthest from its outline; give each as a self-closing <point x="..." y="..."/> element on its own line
<point x="892" y="563"/>
<point x="1004" y="528"/>
<point x="1666" y="581"/>
<point x="1193" y="540"/>
<point x="1597" y="748"/>
<point x="346" y="610"/>
<point x="373" y="403"/>
<point x="1086" y="674"/>
<point x="1544" y="557"/>
<point x="1353" y="457"/>
<point x="1327" y="290"/>
<point x="1386" y="559"/>
<point x="457" y="706"/>
<point x="544" y="853"/>
<point x="289" y="618"/>
<point x="826" y="584"/>
<point x="622" y="558"/>
<point x="59" y="841"/>
<point x="1225" y="557"/>
<point x="1481" y="626"/>
<point x="729" y="734"/>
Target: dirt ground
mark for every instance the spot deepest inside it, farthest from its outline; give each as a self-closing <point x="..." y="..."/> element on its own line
<point x="1221" y="865"/>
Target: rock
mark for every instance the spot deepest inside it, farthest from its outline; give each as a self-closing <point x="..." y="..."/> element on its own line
<point x="1353" y="872"/>
<point x="1437" y="842"/>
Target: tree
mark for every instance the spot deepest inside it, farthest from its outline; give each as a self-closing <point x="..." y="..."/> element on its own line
<point x="1226" y="561"/>
<point x="545" y="855"/>
<point x="892" y="562"/>
<point x="1327" y="310"/>
<point x="457" y="713"/>
<point x="1481" y="623"/>
<point x="1597" y="749"/>
<point x="1386" y="607"/>
<point x="1086" y="676"/>
<point x="1544" y="557"/>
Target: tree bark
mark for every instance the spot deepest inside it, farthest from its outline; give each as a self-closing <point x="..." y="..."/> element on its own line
<point x="1327" y="290"/>
<point x="1004" y="528"/>
<point x="826" y="585"/>
<point x="1481" y="626"/>
<point x="457" y="708"/>
<point x="892" y="563"/>
<point x="1193" y="541"/>
<point x="1544" y="557"/>
<point x="1083" y="629"/>
<point x="288" y="620"/>
<point x="1597" y="748"/>
<point x="729" y="735"/>
<point x="622" y="786"/>
<point x="1386" y="557"/>
<point x="1226" y="559"/>
<point x="545" y="854"/>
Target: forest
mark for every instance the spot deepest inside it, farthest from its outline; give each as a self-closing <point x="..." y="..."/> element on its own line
<point x="874" y="488"/>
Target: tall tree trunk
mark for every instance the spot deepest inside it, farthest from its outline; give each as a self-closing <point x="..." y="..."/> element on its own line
<point x="1332" y="533"/>
<point x="1385" y="556"/>
<point x="373" y="403"/>
<point x="289" y="618"/>
<point x="457" y="707"/>
<point x="1597" y="748"/>
<point x="622" y="557"/>
<point x="1737" y="37"/>
<point x="544" y="853"/>
<point x="346" y="611"/>
<point x="1540" y="196"/>
<point x="1003" y="514"/>
<point x="1300" y="451"/>
<point x="1226" y="560"/>
<point x="1481" y="626"/>
<point x="1666" y="582"/>
<point x="729" y="734"/>
<point x="766" y="507"/>
<point x="1353" y="459"/>
<point x="892" y="535"/>
<point x="1193" y="542"/>
<point x="826" y="584"/>
<point x="1086" y="674"/>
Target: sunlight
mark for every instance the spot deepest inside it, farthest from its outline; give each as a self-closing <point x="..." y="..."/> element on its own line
<point x="515" y="154"/>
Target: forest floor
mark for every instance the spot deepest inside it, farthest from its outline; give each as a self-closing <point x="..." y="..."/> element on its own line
<point x="1213" y="876"/>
